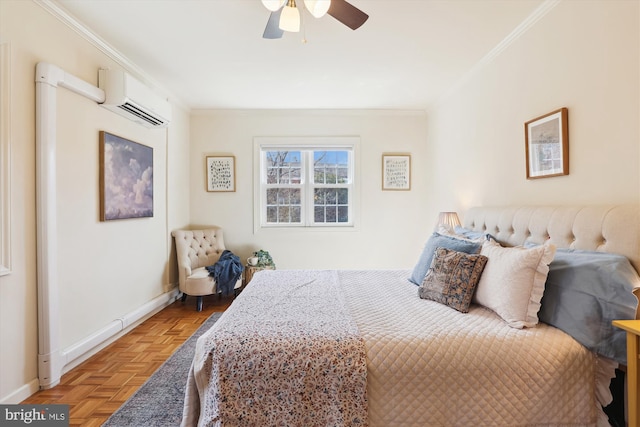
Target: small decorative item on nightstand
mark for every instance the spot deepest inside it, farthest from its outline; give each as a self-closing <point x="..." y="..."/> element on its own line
<point x="261" y="260"/>
<point x="264" y="259"/>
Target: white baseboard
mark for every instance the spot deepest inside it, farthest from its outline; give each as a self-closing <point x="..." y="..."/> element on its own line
<point x="21" y="394"/>
<point x="84" y="349"/>
<point x="81" y="351"/>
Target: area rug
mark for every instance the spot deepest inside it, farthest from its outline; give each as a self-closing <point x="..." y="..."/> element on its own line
<point x="158" y="402"/>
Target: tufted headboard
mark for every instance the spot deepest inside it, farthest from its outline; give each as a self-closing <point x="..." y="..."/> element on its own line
<point x="606" y="228"/>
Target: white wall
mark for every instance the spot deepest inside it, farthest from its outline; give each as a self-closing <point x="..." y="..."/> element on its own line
<point x="178" y="185"/>
<point x="582" y="55"/>
<point x="391" y="225"/>
<point x="105" y="269"/>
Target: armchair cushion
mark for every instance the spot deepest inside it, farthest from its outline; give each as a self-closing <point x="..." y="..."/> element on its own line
<point x="199" y="283"/>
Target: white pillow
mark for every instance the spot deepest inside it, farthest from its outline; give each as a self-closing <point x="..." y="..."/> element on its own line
<point x="513" y="280"/>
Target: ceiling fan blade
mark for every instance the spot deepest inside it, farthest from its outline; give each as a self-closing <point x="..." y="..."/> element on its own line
<point x="347" y="13"/>
<point x="273" y="31"/>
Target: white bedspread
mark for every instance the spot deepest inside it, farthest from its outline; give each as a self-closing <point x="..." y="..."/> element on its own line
<point x="429" y="365"/>
<point x="426" y="364"/>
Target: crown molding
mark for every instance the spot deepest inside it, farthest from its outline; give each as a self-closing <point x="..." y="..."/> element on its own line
<point x="307" y="112"/>
<point x="72" y="22"/>
<point x="514" y="35"/>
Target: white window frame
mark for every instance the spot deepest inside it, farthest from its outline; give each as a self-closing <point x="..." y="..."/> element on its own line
<point x="305" y="144"/>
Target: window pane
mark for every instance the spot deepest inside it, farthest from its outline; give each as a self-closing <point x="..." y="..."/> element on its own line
<point x="272" y="213"/>
<point x="283" y="167"/>
<point x="319" y="196"/>
<point x="283" y="196"/>
<point x="272" y="175"/>
<point x="330" y="214"/>
<point x="283" y="214"/>
<point x="331" y="197"/>
<point x="331" y="205"/>
<point x="328" y="165"/>
<point x="343" y="196"/>
<point x="296" y="173"/>
<point x="296" y="214"/>
<point x="330" y="176"/>
<point x="272" y="196"/>
<point x="294" y="196"/>
<point x="343" y="214"/>
<point x="283" y="205"/>
<point x="343" y="175"/>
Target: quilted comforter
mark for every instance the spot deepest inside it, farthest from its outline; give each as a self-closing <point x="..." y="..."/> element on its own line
<point x="426" y="364"/>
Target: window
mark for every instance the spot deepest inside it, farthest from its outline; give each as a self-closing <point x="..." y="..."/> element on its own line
<point x="305" y="185"/>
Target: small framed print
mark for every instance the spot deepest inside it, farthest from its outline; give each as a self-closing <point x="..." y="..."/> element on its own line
<point x="221" y="173"/>
<point x="396" y="172"/>
<point x="547" y="145"/>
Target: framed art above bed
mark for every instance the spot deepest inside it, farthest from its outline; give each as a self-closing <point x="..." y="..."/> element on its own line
<point x="547" y="145"/>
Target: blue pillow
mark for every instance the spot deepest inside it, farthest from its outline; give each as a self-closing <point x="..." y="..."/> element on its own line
<point x="469" y="234"/>
<point x="586" y="291"/>
<point x="438" y="240"/>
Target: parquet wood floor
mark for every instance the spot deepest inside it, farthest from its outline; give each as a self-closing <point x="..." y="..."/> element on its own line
<point x="99" y="386"/>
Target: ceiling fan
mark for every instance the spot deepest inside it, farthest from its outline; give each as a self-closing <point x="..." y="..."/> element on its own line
<point x="285" y="15"/>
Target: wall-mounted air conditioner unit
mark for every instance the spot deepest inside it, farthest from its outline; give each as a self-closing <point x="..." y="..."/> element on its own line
<point x="130" y="98"/>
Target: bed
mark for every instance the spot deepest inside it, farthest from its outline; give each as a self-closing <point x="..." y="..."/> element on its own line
<point x="362" y="348"/>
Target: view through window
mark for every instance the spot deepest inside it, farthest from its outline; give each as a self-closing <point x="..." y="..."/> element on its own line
<point x="307" y="187"/>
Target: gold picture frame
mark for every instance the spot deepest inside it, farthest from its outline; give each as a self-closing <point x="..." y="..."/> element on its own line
<point x="547" y="145"/>
<point x="396" y="172"/>
<point x="221" y="173"/>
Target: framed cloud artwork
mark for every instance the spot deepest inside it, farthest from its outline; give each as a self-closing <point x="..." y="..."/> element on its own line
<point x="126" y="178"/>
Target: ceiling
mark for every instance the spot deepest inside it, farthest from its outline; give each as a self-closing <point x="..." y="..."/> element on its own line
<point x="210" y="54"/>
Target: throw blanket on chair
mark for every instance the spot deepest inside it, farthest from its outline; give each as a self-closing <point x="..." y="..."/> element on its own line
<point x="226" y="272"/>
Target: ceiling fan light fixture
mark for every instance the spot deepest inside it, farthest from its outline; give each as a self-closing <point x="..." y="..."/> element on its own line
<point x="273" y="5"/>
<point x="317" y="8"/>
<point x="290" y="17"/>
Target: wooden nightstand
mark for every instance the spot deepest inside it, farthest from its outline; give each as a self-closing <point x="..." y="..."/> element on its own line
<point x="633" y="375"/>
<point x="250" y="270"/>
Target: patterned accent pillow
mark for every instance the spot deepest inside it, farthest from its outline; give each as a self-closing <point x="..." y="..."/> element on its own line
<point x="452" y="278"/>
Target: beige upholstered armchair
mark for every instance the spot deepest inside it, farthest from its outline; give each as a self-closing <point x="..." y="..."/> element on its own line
<point x="196" y="250"/>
